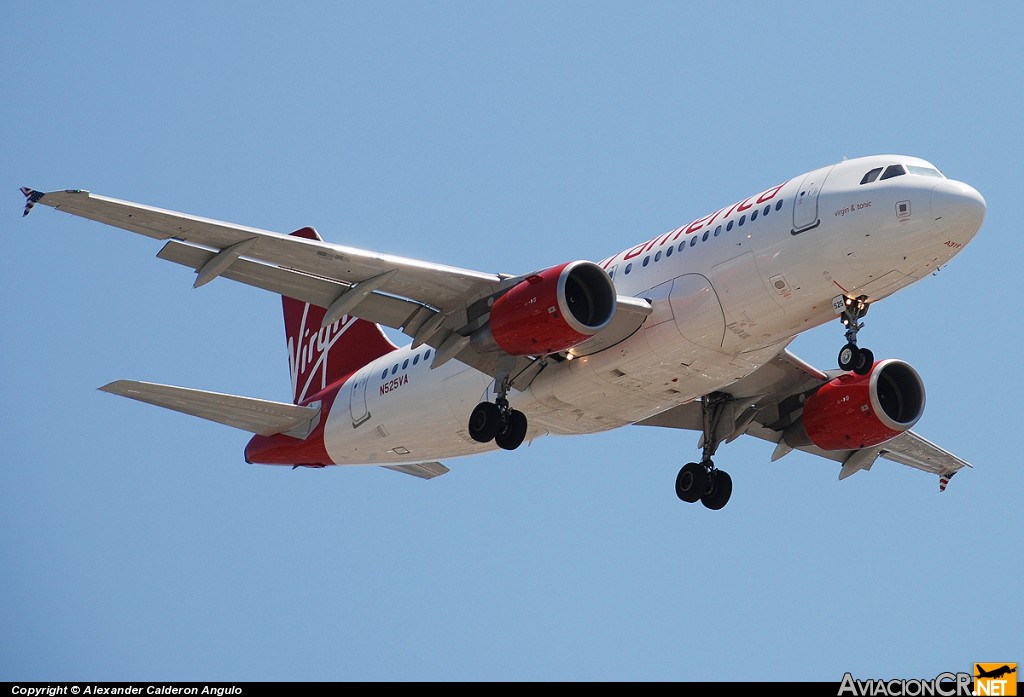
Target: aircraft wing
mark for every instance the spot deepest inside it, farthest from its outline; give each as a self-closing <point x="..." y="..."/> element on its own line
<point x="770" y="399"/>
<point x="432" y="284"/>
<point x="434" y="304"/>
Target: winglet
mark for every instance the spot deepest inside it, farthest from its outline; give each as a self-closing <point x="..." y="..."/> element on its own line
<point x="944" y="480"/>
<point x="31" y="197"/>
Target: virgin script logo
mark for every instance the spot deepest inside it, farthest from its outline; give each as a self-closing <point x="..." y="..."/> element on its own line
<point x="308" y="352"/>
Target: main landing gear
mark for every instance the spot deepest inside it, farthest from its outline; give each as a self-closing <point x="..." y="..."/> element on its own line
<point x="498" y="421"/>
<point x="852" y="357"/>
<point x="702" y="481"/>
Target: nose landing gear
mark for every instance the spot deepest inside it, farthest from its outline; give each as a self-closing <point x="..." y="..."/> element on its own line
<point x="851" y="356"/>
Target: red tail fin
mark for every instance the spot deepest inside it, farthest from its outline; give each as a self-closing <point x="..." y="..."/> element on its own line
<point x="320" y="356"/>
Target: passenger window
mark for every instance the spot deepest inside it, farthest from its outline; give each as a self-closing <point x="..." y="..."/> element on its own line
<point x="753" y="216"/>
<point x="682" y="245"/>
<point x="646" y="260"/>
<point x="384" y="374"/>
<point x="704" y="237"/>
<point x="405" y="364"/>
<point x="892" y="171"/>
<point x="871" y="176"/>
<point x="657" y="257"/>
<point x="394" y="369"/>
<point x="743" y="219"/>
<point x="416" y="359"/>
<point x="668" y="252"/>
<point x="778" y="206"/>
<point x="693" y="241"/>
<point x="729" y="226"/>
<point x="767" y="209"/>
<point x="718" y="231"/>
<point x="629" y="267"/>
<point x="426" y="355"/>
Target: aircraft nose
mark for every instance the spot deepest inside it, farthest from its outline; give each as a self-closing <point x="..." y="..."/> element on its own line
<point x="958" y="208"/>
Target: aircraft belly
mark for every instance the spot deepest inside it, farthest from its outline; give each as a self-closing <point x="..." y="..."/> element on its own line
<point x="651" y="371"/>
<point x="407" y="417"/>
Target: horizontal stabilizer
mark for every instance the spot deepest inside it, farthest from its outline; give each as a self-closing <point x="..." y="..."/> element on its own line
<point x="246" y="413"/>
<point x="424" y="470"/>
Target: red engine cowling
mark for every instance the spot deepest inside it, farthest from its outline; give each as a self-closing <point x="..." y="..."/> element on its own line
<point x="550" y="311"/>
<point x="859" y="411"/>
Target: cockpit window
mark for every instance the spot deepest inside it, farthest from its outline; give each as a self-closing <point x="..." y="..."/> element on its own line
<point x="925" y="171"/>
<point x="871" y="176"/>
<point x="893" y="171"/>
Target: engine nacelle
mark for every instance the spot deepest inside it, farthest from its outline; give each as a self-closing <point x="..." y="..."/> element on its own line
<point x="550" y="311"/>
<point x="859" y="411"/>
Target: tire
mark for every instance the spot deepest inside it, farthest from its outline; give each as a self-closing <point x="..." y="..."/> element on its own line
<point x="691" y="482"/>
<point x="848" y="356"/>
<point x="865" y="361"/>
<point x="510" y="436"/>
<point x="720" y="491"/>
<point x="484" y="422"/>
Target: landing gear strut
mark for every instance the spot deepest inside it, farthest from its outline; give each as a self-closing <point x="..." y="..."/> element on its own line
<point x="702" y="481"/>
<point x="851" y="357"/>
<point x="498" y="421"/>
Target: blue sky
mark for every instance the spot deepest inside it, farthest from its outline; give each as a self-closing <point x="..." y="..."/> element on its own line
<point x="503" y="137"/>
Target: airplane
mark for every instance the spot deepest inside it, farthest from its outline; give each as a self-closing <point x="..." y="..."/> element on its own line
<point x="996" y="673"/>
<point x="686" y="330"/>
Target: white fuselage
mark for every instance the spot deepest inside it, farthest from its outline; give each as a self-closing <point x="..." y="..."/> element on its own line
<point x="729" y="291"/>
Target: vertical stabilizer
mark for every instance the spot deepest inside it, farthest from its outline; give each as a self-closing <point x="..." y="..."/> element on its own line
<point x="320" y="356"/>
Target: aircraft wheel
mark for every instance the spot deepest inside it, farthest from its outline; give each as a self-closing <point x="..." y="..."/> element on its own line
<point x="511" y="434"/>
<point x="691" y="482"/>
<point x="848" y="356"/>
<point x="719" y="492"/>
<point x="484" y="422"/>
<point x="865" y="359"/>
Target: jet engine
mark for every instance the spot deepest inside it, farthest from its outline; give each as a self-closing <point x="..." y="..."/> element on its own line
<point x="859" y="411"/>
<point x="550" y="311"/>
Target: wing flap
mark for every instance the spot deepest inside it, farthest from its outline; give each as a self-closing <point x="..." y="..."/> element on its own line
<point x="258" y="416"/>
<point x="387" y="310"/>
<point x="423" y="470"/>
<point x="912" y="450"/>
